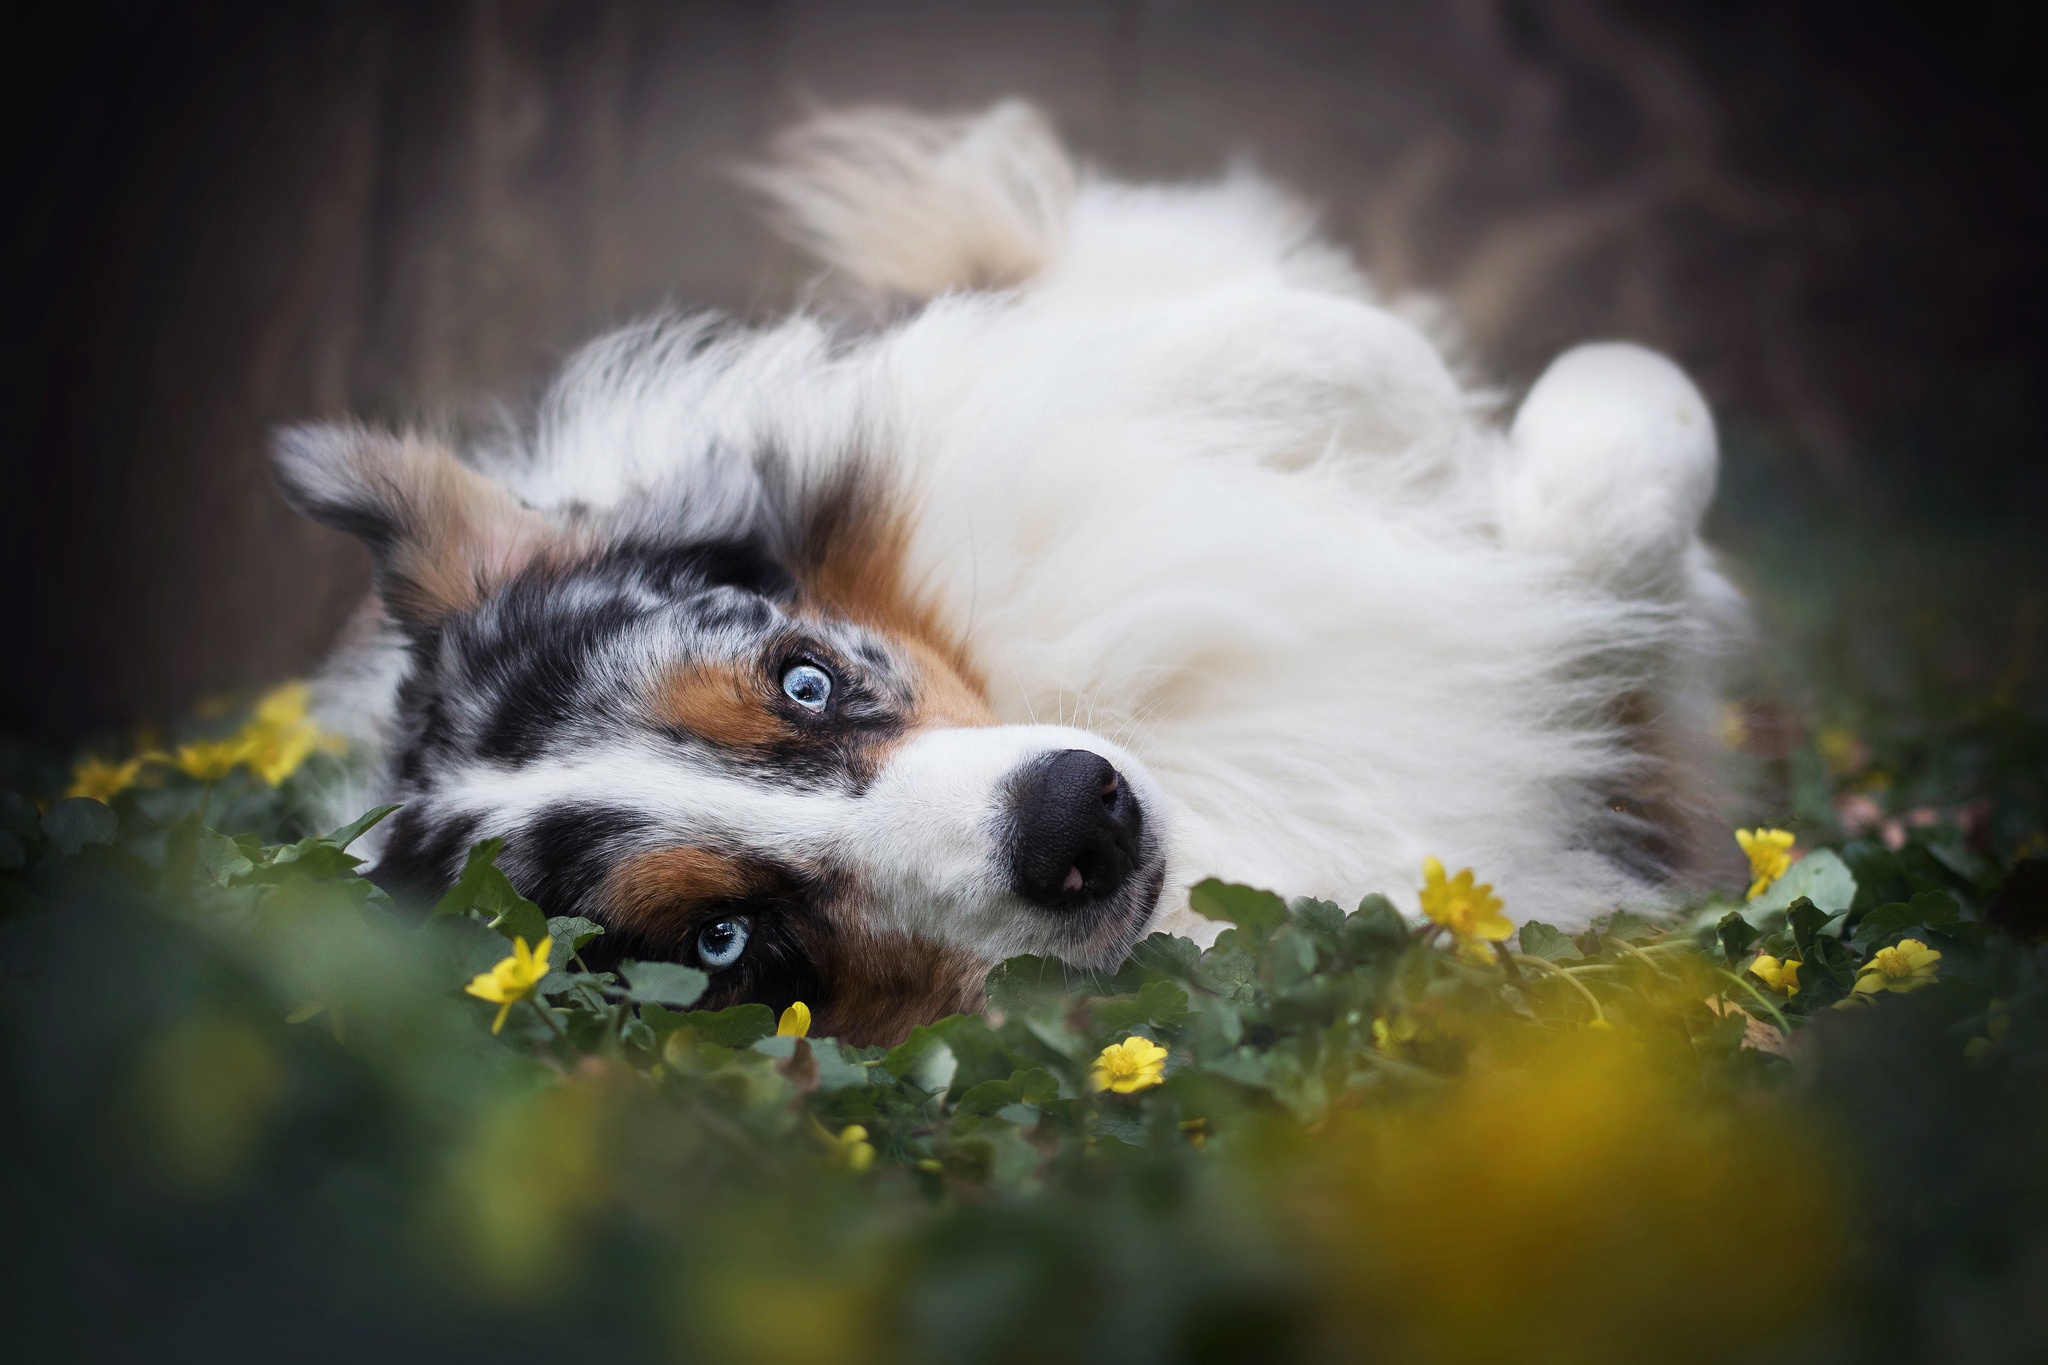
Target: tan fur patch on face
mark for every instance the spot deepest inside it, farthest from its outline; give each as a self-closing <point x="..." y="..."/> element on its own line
<point x="656" y="893"/>
<point x="457" y="533"/>
<point x="883" y="985"/>
<point x="719" y="701"/>
<point x="857" y="571"/>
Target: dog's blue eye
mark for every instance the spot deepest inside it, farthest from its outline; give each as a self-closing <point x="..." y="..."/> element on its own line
<point x="722" y="942"/>
<point x="808" y="685"/>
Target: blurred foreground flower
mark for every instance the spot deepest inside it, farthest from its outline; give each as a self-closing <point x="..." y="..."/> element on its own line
<point x="1467" y="1229"/>
<point x="1390" y="1035"/>
<point x="103" y="781"/>
<point x="1770" y="854"/>
<point x="209" y="760"/>
<point x="795" y="1022"/>
<point x="281" y="736"/>
<point x="1905" y="967"/>
<point x="512" y="980"/>
<point x="852" y="1149"/>
<point x="1134" y="1064"/>
<point x="1471" y="913"/>
<point x="1779" y="976"/>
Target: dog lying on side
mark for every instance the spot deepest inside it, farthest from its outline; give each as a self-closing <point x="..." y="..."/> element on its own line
<point x="1143" y="545"/>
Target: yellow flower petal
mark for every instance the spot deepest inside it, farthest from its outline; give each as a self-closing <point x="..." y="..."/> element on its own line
<point x="795" y="1022"/>
<point x="1770" y="854"/>
<point x="1134" y="1064"/>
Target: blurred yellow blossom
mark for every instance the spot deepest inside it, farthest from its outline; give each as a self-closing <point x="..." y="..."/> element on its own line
<point x="1770" y="854"/>
<point x="1779" y="976"/>
<point x="1451" y="1232"/>
<point x="210" y="760"/>
<point x="281" y="735"/>
<point x="795" y="1022"/>
<point x="852" y="1149"/>
<point x="103" y="781"/>
<point x="1471" y="913"/>
<point x="513" y="979"/>
<point x="1907" y="966"/>
<point x="1134" y="1064"/>
<point x="1388" y="1035"/>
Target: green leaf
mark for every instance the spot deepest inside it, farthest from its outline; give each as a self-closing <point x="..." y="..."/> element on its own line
<point x="1035" y="1086"/>
<point x="1159" y="1003"/>
<point x="736" y="1027"/>
<point x="1888" y="923"/>
<point x="836" y="1069"/>
<point x="1736" y="934"/>
<point x="1825" y="975"/>
<point x="1229" y="967"/>
<point x="573" y="932"/>
<point x="358" y="827"/>
<point x="218" y="860"/>
<point x="1821" y="877"/>
<point x="1552" y="945"/>
<point x="1320" y="918"/>
<point x="1257" y="912"/>
<point x="663" y="983"/>
<point x="1375" y="930"/>
<point x="483" y="888"/>
<point x="1216" y="1030"/>
<point x="1629" y="928"/>
<point x="1167" y="956"/>
<point x="78" y="821"/>
<point x="1289" y="960"/>
<point x="1025" y="984"/>
<point x="1807" y="920"/>
<point x="923" y="1059"/>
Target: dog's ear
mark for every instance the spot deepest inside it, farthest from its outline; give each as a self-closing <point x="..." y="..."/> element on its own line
<point x="442" y="535"/>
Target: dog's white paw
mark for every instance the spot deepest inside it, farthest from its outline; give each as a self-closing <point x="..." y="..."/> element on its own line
<point x="1614" y="464"/>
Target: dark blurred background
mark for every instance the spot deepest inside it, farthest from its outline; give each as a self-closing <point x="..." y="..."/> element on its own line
<point x="221" y="217"/>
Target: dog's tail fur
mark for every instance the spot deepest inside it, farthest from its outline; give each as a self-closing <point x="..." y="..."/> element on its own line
<point x="910" y="206"/>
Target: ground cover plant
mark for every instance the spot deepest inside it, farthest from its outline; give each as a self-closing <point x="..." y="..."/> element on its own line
<point x="256" y="1108"/>
<point x="1802" y="1118"/>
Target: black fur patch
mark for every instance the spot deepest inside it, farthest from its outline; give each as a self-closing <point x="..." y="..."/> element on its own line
<point x="564" y="852"/>
<point x="421" y="858"/>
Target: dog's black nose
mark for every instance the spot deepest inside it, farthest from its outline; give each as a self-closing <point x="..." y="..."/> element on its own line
<point x="1076" y="824"/>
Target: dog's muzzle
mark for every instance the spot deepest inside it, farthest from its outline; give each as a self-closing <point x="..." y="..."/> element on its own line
<point x="1076" y="831"/>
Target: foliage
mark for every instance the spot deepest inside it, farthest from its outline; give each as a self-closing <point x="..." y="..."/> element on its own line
<point x="273" y="1099"/>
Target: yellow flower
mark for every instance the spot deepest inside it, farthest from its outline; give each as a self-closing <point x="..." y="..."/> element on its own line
<point x="852" y="1149"/>
<point x="795" y="1022"/>
<point x="1906" y="967"/>
<point x="281" y="736"/>
<point x="1770" y="853"/>
<point x="1388" y="1035"/>
<point x="210" y="760"/>
<point x="103" y="781"/>
<point x="1779" y="976"/>
<point x="512" y="980"/>
<point x="1134" y="1064"/>
<point x="1471" y="913"/>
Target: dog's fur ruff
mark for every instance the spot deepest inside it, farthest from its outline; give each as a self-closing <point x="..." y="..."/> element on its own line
<point x="1146" y="471"/>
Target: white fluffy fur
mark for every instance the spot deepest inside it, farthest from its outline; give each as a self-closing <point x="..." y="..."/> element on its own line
<point x="1187" y="485"/>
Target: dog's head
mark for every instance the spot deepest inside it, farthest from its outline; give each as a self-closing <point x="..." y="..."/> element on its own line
<point x="725" y="728"/>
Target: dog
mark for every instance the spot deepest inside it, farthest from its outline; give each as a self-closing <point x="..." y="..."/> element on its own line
<point x="1130" y="540"/>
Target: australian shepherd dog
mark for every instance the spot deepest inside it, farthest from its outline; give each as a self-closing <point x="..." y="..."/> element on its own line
<point x="1129" y="539"/>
